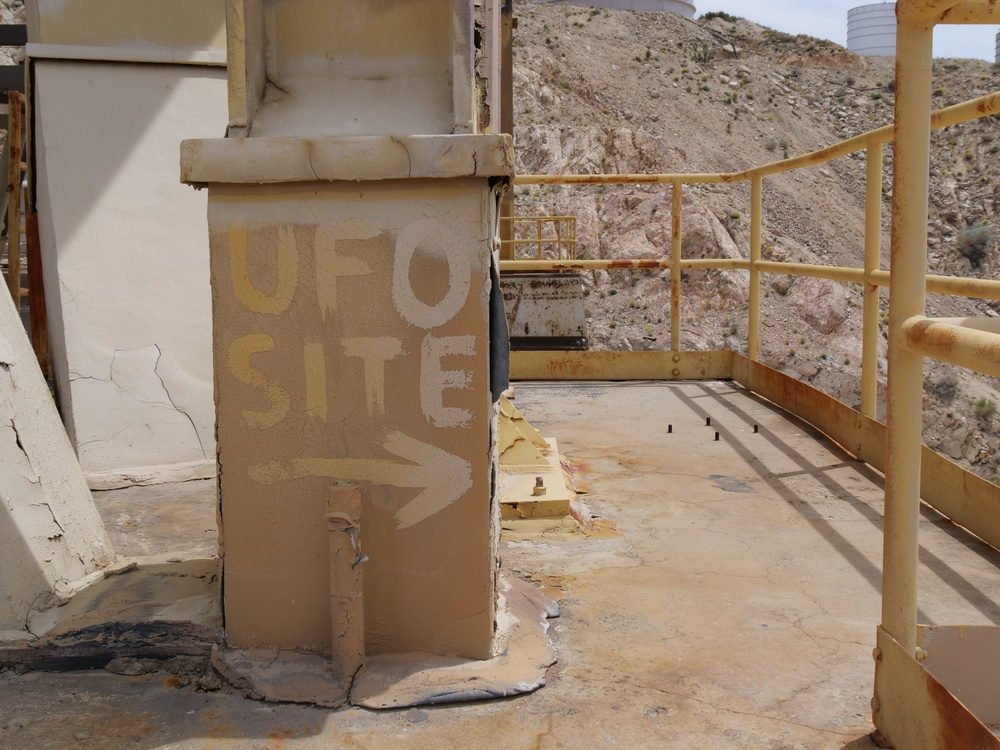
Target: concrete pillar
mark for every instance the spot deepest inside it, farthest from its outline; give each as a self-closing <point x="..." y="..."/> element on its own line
<point x="51" y="536"/>
<point x="352" y="216"/>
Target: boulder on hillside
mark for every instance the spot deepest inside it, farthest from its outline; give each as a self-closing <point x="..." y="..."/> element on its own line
<point x="821" y="303"/>
<point x="703" y="236"/>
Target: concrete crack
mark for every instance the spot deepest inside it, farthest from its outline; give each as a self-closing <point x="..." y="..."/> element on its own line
<point x="74" y="376"/>
<point x="100" y="439"/>
<point x="159" y="355"/>
<point x="753" y="714"/>
<point x="111" y="368"/>
<point x="17" y="439"/>
<point x="20" y="445"/>
<point x="280" y="88"/>
<point x="312" y="167"/>
<point x="409" y="160"/>
<point x="54" y="519"/>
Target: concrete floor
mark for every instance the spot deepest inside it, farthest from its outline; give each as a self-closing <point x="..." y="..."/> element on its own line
<point x="727" y="598"/>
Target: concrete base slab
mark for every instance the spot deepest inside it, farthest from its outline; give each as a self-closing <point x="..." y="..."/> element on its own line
<point x="151" y="607"/>
<point x="691" y="616"/>
<point x="177" y="520"/>
<point x="402" y="680"/>
<point x="140" y="590"/>
<point x="281" y="676"/>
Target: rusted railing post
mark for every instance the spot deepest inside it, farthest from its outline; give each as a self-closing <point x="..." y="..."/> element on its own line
<point x="675" y="268"/>
<point x="873" y="261"/>
<point x="904" y="396"/>
<point x="343" y="502"/>
<point x="15" y="103"/>
<point x="756" y="221"/>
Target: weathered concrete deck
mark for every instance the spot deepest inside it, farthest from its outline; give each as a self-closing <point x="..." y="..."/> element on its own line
<point x="727" y="598"/>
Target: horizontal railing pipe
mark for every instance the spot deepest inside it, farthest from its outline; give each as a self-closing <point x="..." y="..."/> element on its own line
<point x="833" y="273"/>
<point x="963" y="287"/>
<point x="544" y="240"/>
<point x="970" y="343"/>
<point x="598" y="264"/>
<point x="955" y="286"/>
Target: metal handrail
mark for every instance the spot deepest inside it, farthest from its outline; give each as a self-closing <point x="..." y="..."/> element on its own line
<point x="908" y="707"/>
<point x="871" y="276"/>
<point x="563" y="237"/>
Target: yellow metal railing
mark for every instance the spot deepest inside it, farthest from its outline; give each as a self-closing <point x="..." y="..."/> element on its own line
<point x="557" y="234"/>
<point x="871" y="276"/>
<point x="907" y="708"/>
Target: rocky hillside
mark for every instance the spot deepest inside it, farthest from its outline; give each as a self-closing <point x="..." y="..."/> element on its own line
<point x="619" y="91"/>
<point x="11" y="11"/>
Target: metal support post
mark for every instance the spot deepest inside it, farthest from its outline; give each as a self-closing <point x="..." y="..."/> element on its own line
<point x="904" y="403"/>
<point x="873" y="260"/>
<point x="756" y="220"/>
<point x="675" y="270"/>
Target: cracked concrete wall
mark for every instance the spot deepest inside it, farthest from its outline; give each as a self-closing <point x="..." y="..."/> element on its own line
<point x="125" y="249"/>
<point x="51" y="536"/>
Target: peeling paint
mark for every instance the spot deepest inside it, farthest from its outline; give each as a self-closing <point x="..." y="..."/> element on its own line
<point x="53" y="536"/>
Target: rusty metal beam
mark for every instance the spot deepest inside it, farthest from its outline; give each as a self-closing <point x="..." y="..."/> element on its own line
<point x="966" y="342"/>
<point x="957" y="286"/>
<point x="756" y="222"/>
<point x="949" y="11"/>
<point x="596" y="365"/>
<point x="966" y="660"/>
<point x="873" y="260"/>
<point x="904" y="391"/>
<point x="913" y="710"/>
<point x="603" y="264"/>
<point x="972" y="12"/>
<point x="507" y="26"/>
<point x="675" y="267"/>
<point x="967" y="499"/>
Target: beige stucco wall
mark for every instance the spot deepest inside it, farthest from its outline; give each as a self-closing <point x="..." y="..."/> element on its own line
<point x="351" y="343"/>
<point x="177" y="24"/>
<point x="125" y="249"/>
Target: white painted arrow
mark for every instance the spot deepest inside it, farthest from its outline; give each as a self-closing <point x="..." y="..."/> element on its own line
<point x="443" y="476"/>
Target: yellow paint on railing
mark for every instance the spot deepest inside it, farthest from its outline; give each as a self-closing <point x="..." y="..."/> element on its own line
<point x="563" y="239"/>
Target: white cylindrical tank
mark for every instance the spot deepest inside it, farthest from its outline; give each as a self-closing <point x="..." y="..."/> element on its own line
<point x="683" y="7"/>
<point x="871" y="29"/>
<point x="997" y="58"/>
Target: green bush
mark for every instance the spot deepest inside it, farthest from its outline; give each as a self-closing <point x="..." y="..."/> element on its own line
<point x="703" y="52"/>
<point x="974" y="243"/>
<point x="719" y="14"/>
<point x="985" y="409"/>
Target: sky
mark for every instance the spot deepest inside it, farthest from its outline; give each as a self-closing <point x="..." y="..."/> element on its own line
<point x="827" y="19"/>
